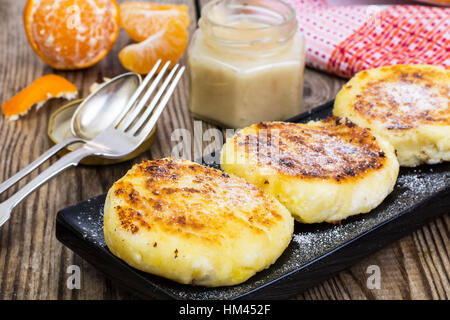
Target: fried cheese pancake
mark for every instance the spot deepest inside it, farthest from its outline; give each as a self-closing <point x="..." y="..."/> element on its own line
<point x="322" y="171"/>
<point x="408" y="105"/>
<point x="194" y="224"/>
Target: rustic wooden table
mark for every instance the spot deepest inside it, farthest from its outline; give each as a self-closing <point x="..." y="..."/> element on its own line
<point x="33" y="264"/>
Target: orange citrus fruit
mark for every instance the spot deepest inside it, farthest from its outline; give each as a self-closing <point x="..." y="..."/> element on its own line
<point x="42" y="89"/>
<point x="143" y="19"/>
<point x="71" y="34"/>
<point x="167" y="44"/>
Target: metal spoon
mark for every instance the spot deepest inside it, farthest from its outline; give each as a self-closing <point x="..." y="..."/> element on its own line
<point x="103" y="106"/>
<point x="92" y="116"/>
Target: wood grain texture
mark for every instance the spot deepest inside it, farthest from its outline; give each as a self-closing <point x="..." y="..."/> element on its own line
<point x="33" y="264"/>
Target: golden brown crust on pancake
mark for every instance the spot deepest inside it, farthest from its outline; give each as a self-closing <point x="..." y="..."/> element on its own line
<point x="335" y="148"/>
<point x="194" y="224"/>
<point x="408" y="105"/>
<point x="321" y="171"/>
<point x="405" y="97"/>
<point x="180" y="198"/>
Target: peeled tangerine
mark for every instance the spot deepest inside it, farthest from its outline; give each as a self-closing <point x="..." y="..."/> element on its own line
<point x="70" y="34"/>
<point x="42" y="89"/>
<point x="143" y="19"/>
<point x="168" y="44"/>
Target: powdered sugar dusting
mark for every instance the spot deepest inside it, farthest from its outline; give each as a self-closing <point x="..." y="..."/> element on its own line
<point x="332" y="148"/>
<point x="412" y="97"/>
<point x="406" y="97"/>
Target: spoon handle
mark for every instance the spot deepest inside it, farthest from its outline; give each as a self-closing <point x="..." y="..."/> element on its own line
<point x="70" y="159"/>
<point x="36" y="163"/>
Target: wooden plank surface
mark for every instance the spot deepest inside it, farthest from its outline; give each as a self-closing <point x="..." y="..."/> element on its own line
<point x="33" y="264"/>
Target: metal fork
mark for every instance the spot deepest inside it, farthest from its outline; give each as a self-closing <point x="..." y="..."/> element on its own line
<point x="121" y="138"/>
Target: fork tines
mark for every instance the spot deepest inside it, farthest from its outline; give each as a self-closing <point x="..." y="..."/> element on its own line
<point x="138" y="118"/>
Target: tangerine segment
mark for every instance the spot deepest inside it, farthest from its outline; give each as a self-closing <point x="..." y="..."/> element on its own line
<point x="167" y="44"/>
<point x="71" y="34"/>
<point x="42" y="89"/>
<point x="143" y="19"/>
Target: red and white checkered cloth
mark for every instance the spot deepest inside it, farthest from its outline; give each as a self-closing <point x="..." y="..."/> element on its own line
<point x="347" y="39"/>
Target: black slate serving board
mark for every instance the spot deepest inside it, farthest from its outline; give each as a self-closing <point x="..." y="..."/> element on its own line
<point x="316" y="252"/>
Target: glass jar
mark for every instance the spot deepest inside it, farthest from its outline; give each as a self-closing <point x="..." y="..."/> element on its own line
<point x="246" y="63"/>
